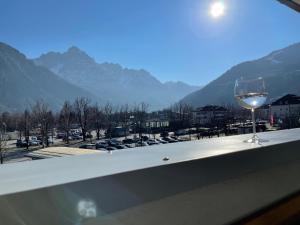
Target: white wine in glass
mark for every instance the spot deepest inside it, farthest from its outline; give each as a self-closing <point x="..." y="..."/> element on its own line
<point x="251" y="94"/>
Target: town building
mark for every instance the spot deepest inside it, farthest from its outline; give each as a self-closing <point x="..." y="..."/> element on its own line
<point x="159" y="119"/>
<point x="287" y="106"/>
<point x="209" y="115"/>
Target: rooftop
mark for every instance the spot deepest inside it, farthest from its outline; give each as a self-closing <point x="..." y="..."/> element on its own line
<point x="212" y="108"/>
<point x="288" y="99"/>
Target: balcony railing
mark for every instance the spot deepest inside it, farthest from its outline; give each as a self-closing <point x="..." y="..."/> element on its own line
<point x="211" y="181"/>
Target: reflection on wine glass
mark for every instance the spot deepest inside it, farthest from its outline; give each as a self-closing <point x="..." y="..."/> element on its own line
<point x="251" y="94"/>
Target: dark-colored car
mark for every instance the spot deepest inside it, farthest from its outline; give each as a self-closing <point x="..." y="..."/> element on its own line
<point x="101" y="145"/>
<point x="65" y="138"/>
<point x="141" y="144"/>
<point x="110" y="148"/>
<point x="76" y="137"/>
<point x="21" y="144"/>
<point x="87" y="146"/>
<point x="113" y="142"/>
<point x="170" y="140"/>
<point x="177" y="139"/>
<point x="34" y="143"/>
<point x="162" y="141"/>
<point x="128" y="141"/>
<point x="120" y="146"/>
<point x="89" y="136"/>
<point x="164" y="134"/>
<point x="60" y="135"/>
<point x="145" y="138"/>
<point x="152" y="142"/>
<point x="130" y="145"/>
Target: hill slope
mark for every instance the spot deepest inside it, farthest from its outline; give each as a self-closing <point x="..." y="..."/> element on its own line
<point x="280" y="69"/>
<point x="22" y="83"/>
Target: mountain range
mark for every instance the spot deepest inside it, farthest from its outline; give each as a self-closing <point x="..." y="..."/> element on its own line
<point x="22" y="83"/>
<point x="112" y="82"/>
<point x="56" y="77"/>
<point x="280" y="70"/>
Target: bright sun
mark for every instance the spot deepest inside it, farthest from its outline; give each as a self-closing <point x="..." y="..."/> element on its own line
<point x="217" y="9"/>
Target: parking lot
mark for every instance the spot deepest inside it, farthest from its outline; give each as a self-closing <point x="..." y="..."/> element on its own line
<point x="17" y="149"/>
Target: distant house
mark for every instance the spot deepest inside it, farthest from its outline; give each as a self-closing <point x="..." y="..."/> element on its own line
<point x="159" y="119"/>
<point x="210" y="114"/>
<point x="285" y="107"/>
<point x="263" y="112"/>
<point x="118" y="132"/>
<point x="157" y="123"/>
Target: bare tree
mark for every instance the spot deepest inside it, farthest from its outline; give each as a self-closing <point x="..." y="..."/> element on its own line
<point x="43" y="118"/>
<point x="124" y="118"/>
<point x="3" y="139"/>
<point x="18" y="124"/>
<point x="82" y="111"/>
<point x="187" y="118"/>
<point x="98" y="119"/>
<point x="140" y="116"/>
<point x="26" y="126"/>
<point x="65" y="119"/>
<point x="108" y="119"/>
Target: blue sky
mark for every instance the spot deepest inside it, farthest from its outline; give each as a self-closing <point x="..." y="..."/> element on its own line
<point x="172" y="39"/>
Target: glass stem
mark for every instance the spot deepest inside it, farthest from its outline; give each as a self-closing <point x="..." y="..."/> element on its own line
<point x="253" y="122"/>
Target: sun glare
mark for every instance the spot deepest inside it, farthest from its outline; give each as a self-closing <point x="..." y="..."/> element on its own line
<point x="217" y="9"/>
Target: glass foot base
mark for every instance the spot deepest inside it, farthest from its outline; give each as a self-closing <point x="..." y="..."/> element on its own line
<point x="255" y="140"/>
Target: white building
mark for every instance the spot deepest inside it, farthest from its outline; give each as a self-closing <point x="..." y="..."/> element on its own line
<point x="210" y="114"/>
<point x="285" y="107"/>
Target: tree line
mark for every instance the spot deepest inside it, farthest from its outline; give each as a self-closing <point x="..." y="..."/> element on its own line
<point x="40" y="119"/>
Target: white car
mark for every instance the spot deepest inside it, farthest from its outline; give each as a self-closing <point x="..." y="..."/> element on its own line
<point x="152" y="142"/>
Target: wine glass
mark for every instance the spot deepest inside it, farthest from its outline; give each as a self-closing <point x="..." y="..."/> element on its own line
<point x="251" y="94"/>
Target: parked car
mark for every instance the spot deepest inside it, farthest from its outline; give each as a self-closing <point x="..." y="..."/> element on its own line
<point x="110" y="148"/>
<point x="87" y="146"/>
<point x="75" y="132"/>
<point x="101" y="144"/>
<point x="181" y="139"/>
<point x="170" y="140"/>
<point x="89" y="136"/>
<point x="128" y="141"/>
<point x="21" y="144"/>
<point x="176" y="138"/>
<point x="60" y="135"/>
<point x="113" y="142"/>
<point x="162" y="141"/>
<point x="141" y="144"/>
<point x="39" y="138"/>
<point x="181" y="132"/>
<point x="120" y="146"/>
<point x="76" y="137"/>
<point x="164" y="134"/>
<point x="130" y="145"/>
<point x="65" y="138"/>
<point x="152" y="142"/>
<point x="145" y="138"/>
<point x="34" y="138"/>
<point x="34" y="143"/>
<point x="50" y="141"/>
